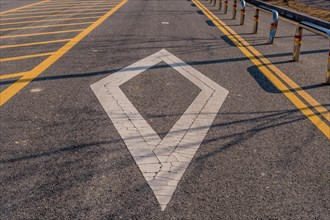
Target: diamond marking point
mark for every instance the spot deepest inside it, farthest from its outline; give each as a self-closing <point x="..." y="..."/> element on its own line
<point x="161" y="161"/>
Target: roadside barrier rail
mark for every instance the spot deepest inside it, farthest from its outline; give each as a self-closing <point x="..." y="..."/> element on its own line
<point x="273" y="25"/>
<point x="298" y="41"/>
<point x="260" y="6"/>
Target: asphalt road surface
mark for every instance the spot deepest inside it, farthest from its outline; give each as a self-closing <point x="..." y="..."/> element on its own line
<point x="94" y="92"/>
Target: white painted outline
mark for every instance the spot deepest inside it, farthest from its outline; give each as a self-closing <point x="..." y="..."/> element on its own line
<point x="162" y="162"/>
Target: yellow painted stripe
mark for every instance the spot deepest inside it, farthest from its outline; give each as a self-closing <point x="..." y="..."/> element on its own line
<point x="25" y="57"/>
<point x="25" y="6"/>
<point x="67" y="6"/>
<point x="45" y="26"/>
<point x="48" y="20"/>
<point x="75" y="2"/>
<point x="72" y="2"/>
<point x="41" y="33"/>
<point x="49" y="12"/>
<point x="307" y="97"/>
<point x="265" y="66"/>
<point x="10" y="91"/>
<point x="12" y="75"/>
<point x="70" y="5"/>
<point x="56" y="15"/>
<point x="316" y="105"/>
<point x="34" y="43"/>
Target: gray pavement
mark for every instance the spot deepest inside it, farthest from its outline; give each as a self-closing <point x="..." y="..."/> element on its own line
<point x="62" y="158"/>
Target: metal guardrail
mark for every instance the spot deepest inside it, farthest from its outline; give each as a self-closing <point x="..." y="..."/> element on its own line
<point x="290" y="14"/>
<point x="274" y="24"/>
<point x="298" y="41"/>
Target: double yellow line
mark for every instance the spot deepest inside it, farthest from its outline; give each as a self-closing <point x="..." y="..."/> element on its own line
<point x="276" y="76"/>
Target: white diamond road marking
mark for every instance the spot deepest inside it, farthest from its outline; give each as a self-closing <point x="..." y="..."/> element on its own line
<point x="162" y="162"/>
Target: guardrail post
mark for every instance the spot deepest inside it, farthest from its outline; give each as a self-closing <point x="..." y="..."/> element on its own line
<point x="220" y="4"/>
<point x="214" y="2"/>
<point x="234" y="9"/>
<point x="273" y="27"/>
<point x="242" y="12"/>
<point x="226" y="7"/>
<point x="256" y="21"/>
<point x="297" y="43"/>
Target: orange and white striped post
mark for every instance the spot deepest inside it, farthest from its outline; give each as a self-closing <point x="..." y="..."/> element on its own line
<point x="273" y="27"/>
<point x="234" y="9"/>
<point x="220" y="4"/>
<point x="256" y="21"/>
<point x="297" y="43"/>
<point x="226" y="6"/>
<point x="242" y="12"/>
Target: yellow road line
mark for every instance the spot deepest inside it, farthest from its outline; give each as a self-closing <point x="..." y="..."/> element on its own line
<point x="12" y="75"/>
<point x="45" y="26"/>
<point x="268" y="69"/>
<point x="34" y="43"/>
<point x="308" y="98"/>
<point x="48" y="20"/>
<point x="10" y="91"/>
<point x="67" y="6"/>
<point x="50" y="12"/>
<point x="70" y="5"/>
<point x="58" y="9"/>
<point x="25" y="57"/>
<point x="25" y="6"/>
<point x="74" y="2"/>
<point x="41" y="33"/>
<point x="56" y="15"/>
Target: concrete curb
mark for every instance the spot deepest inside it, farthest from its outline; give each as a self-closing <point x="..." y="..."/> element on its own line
<point x="292" y="15"/>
